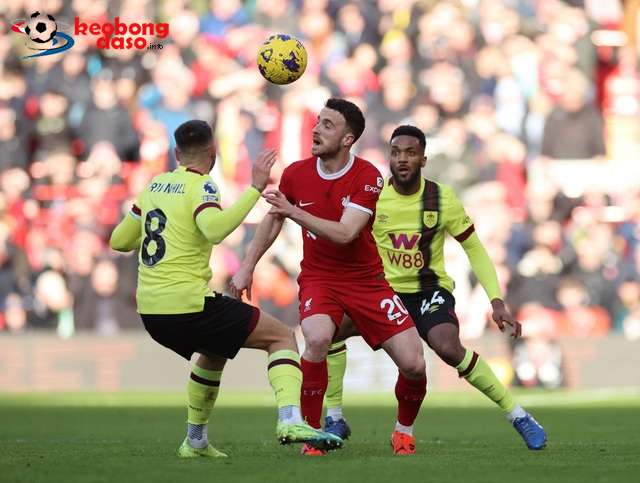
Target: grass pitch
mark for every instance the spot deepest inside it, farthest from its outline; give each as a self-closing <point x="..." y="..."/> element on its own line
<point x="461" y="438"/>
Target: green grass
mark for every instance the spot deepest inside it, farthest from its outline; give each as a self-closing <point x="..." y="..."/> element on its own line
<point x="461" y="438"/>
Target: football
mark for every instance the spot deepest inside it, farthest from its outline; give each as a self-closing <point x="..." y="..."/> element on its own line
<point x="282" y="59"/>
<point x="41" y="29"/>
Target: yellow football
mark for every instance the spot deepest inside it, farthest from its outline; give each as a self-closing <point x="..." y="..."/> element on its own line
<point x="282" y="59"/>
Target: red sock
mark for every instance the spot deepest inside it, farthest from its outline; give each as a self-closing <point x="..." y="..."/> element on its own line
<point x="410" y="393"/>
<point x="314" y="385"/>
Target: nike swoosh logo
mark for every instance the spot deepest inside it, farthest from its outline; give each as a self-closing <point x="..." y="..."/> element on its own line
<point x="402" y="320"/>
<point x="301" y="204"/>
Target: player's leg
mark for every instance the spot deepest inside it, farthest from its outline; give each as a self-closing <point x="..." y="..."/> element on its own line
<point x="406" y="351"/>
<point x="285" y="377"/>
<point x="202" y="392"/>
<point x="318" y="330"/>
<point x="444" y="339"/>
<point x="335" y="422"/>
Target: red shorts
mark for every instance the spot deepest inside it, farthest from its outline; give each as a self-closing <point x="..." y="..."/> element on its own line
<point x="375" y="309"/>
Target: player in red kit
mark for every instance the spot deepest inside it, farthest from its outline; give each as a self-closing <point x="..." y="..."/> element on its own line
<point x="332" y="196"/>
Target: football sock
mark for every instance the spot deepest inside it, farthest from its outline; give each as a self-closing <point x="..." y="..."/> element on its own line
<point x="336" y="366"/>
<point x="202" y="391"/>
<point x="314" y="385"/>
<point x="335" y="413"/>
<point x="410" y="394"/>
<point x="285" y="377"/>
<point x="401" y="428"/>
<point x="478" y="373"/>
<point x="517" y="412"/>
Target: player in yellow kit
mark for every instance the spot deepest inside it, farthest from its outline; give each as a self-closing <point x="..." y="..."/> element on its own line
<point x="413" y="214"/>
<point x="175" y="223"/>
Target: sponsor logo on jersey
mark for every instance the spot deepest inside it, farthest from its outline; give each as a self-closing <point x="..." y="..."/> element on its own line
<point x="380" y="182"/>
<point x="372" y="189"/>
<point x="430" y="218"/>
<point x="402" y="240"/>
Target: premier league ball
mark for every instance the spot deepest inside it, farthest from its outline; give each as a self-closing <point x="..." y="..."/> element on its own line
<point x="282" y="59"/>
<point x="41" y="28"/>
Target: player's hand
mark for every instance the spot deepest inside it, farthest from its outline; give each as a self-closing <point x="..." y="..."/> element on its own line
<point x="280" y="203"/>
<point x="503" y="318"/>
<point x="241" y="282"/>
<point x="262" y="169"/>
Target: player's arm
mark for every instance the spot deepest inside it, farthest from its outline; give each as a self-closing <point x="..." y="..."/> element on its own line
<point x="462" y="229"/>
<point x="126" y="236"/>
<point x="216" y="224"/>
<point x="266" y="233"/>
<point x="342" y="232"/>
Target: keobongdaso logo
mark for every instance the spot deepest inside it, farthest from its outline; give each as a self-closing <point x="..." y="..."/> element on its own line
<point x="122" y="35"/>
<point x="41" y="31"/>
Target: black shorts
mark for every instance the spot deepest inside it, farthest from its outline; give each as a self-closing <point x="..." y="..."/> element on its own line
<point x="430" y="308"/>
<point x="220" y="329"/>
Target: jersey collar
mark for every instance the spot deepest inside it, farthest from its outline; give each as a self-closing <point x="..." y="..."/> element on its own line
<point x="416" y="194"/>
<point x="190" y="170"/>
<point x="337" y="174"/>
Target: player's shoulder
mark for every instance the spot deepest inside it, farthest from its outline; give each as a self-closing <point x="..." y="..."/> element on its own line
<point x="448" y="196"/>
<point x="301" y="166"/>
<point x="362" y="165"/>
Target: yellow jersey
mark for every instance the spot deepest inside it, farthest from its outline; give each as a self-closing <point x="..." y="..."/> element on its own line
<point x="410" y="230"/>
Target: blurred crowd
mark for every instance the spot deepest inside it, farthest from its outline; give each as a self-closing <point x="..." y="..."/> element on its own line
<point x="502" y="88"/>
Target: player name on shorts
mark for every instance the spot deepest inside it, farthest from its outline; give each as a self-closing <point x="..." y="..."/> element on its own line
<point x="170" y="188"/>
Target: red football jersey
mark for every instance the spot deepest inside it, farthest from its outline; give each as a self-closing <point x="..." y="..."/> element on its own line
<point x="357" y="185"/>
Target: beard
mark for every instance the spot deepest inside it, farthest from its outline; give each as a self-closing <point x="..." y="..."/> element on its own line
<point x="325" y="150"/>
<point x="405" y="181"/>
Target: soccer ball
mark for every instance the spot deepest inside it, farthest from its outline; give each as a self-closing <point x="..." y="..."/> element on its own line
<point x="41" y="29"/>
<point x="282" y="59"/>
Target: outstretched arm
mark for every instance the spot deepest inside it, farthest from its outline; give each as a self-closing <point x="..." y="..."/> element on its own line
<point x="265" y="235"/>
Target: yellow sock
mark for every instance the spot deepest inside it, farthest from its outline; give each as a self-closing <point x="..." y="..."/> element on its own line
<point x="285" y="377"/>
<point x="478" y="373"/>
<point x="336" y="367"/>
<point x="202" y="391"/>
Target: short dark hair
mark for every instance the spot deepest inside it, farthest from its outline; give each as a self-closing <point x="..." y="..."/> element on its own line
<point x="351" y="113"/>
<point x="193" y="135"/>
<point x="406" y="130"/>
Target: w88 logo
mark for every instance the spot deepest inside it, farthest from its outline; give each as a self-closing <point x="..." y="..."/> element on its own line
<point x="406" y="260"/>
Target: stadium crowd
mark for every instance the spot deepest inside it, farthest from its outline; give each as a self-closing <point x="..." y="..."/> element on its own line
<point x="502" y="88"/>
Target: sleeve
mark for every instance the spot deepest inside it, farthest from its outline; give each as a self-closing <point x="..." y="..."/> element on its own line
<point x="214" y="223"/>
<point x="482" y="266"/>
<point x="285" y="186"/>
<point x="204" y="194"/>
<point x="126" y="235"/>
<point x="365" y="190"/>
<point x="458" y="223"/>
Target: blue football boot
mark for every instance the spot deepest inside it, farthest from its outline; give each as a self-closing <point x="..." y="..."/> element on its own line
<point x="338" y="427"/>
<point x="532" y="433"/>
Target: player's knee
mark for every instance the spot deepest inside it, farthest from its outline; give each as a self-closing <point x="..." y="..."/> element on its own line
<point x="317" y="343"/>
<point x="450" y="351"/>
<point x="414" y="368"/>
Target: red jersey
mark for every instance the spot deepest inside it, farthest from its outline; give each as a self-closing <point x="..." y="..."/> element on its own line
<point x="358" y="186"/>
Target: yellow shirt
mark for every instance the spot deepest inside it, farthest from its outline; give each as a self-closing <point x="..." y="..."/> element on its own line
<point x="410" y="232"/>
<point x="175" y="223"/>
